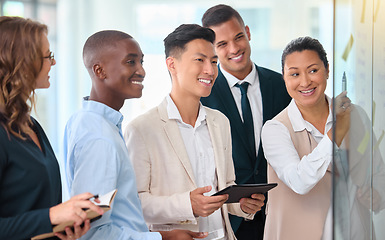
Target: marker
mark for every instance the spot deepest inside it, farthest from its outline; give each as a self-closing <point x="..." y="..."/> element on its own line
<point x="344" y="82"/>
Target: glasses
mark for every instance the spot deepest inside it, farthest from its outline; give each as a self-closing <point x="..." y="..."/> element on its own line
<point x="51" y="57"/>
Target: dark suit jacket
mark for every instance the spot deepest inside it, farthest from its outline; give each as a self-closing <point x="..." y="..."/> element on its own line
<point x="248" y="167"/>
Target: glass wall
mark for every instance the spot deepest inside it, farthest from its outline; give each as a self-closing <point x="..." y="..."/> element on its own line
<point x="359" y="179"/>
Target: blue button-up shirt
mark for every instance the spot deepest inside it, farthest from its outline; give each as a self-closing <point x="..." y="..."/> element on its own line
<point x="96" y="161"/>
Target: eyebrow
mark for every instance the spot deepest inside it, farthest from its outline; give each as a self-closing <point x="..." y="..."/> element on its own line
<point x="205" y="56"/>
<point x="134" y="55"/>
<point x="311" y="65"/>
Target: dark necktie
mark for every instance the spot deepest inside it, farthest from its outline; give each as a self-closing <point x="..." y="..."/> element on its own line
<point x="246" y="114"/>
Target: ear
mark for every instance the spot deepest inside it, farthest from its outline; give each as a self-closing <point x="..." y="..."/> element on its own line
<point x="98" y="71"/>
<point x="247" y="29"/>
<point x="170" y="62"/>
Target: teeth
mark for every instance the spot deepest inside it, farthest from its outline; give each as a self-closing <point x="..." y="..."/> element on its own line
<point x="205" y="81"/>
<point x="137" y="82"/>
<point x="236" y="58"/>
<point x="308" y="91"/>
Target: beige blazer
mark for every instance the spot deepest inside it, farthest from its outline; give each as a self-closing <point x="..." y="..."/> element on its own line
<point x="291" y="216"/>
<point x="164" y="173"/>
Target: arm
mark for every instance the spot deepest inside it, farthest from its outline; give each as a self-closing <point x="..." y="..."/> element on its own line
<point x="301" y="175"/>
<point x="96" y="168"/>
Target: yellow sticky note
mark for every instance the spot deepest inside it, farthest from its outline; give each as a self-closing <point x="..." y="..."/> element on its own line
<point x="379" y="140"/>
<point x="363" y="11"/>
<point x="364" y="143"/>
<point x="348" y="48"/>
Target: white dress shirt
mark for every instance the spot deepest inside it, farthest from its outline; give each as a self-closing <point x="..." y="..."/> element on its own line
<point x="254" y="95"/>
<point x="301" y="175"/>
<point x="199" y="148"/>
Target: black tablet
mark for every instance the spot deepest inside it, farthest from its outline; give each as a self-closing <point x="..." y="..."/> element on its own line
<point x="236" y="192"/>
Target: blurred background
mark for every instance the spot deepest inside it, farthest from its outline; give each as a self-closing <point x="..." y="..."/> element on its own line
<point x="351" y="32"/>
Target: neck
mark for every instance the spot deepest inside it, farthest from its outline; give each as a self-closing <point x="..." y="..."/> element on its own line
<point x="316" y="115"/>
<point x="188" y="107"/>
<point x="111" y="101"/>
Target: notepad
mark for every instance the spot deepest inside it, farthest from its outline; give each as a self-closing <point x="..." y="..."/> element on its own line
<point x="105" y="204"/>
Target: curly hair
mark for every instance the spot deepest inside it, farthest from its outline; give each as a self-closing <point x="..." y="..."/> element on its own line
<point x="21" y="60"/>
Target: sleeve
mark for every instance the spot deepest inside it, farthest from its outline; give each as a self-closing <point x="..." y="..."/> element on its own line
<point x="301" y="175"/>
<point x="25" y="225"/>
<point x="95" y="168"/>
<point x="173" y="209"/>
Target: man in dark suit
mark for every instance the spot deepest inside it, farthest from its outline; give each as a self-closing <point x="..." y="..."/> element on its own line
<point x="248" y="95"/>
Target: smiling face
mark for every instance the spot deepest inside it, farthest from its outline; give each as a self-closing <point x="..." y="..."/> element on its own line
<point x="233" y="47"/>
<point x="123" y="70"/>
<point x="42" y="79"/>
<point x="194" y="70"/>
<point x="305" y="77"/>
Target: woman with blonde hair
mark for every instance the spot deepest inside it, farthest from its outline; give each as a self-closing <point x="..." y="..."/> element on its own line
<point x="30" y="184"/>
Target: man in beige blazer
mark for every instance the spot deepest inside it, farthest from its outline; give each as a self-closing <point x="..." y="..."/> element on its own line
<point x="181" y="150"/>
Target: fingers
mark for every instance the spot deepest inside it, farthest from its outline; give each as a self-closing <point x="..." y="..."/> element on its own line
<point x="202" y="190"/>
<point x="205" y="205"/>
<point x="252" y="205"/>
<point x="76" y="233"/>
<point x="82" y="196"/>
<point x="198" y="234"/>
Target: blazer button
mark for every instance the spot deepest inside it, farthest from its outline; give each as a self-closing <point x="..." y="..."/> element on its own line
<point x="256" y="172"/>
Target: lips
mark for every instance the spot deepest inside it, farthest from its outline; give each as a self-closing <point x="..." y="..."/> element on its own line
<point x="237" y="58"/>
<point x="309" y="91"/>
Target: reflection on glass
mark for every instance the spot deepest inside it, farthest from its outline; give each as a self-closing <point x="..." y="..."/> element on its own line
<point x="359" y="193"/>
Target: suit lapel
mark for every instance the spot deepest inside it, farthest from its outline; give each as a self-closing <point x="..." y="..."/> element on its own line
<point x="216" y="140"/>
<point x="175" y="138"/>
<point x="266" y="93"/>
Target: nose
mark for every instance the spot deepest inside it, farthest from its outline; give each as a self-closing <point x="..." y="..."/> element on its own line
<point x="233" y="47"/>
<point x="140" y="71"/>
<point x="53" y="62"/>
<point x="305" y="80"/>
<point x="209" y="68"/>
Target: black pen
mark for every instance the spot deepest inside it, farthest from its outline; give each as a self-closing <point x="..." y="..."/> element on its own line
<point x="94" y="197"/>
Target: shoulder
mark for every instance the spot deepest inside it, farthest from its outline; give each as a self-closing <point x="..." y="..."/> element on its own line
<point x="146" y="120"/>
<point x="215" y="114"/>
<point x="262" y="71"/>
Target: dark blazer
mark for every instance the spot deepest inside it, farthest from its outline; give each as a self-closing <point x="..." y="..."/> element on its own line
<point x="248" y="167"/>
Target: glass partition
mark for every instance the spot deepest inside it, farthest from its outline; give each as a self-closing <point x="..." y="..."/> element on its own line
<point x="359" y="173"/>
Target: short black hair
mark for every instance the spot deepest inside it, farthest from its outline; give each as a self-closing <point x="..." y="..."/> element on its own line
<point x="305" y="43"/>
<point x="176" y="41"/>
<point x="98" y="41"/>
<point x="219" y="14"/>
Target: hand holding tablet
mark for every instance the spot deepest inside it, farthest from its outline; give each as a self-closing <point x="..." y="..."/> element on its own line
<point x="236" y="192"/>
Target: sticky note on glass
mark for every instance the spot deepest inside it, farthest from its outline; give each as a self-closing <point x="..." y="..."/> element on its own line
<point x="363" y="11"/>
<point x="364" y="143"/>
<point x="348" y="48"/>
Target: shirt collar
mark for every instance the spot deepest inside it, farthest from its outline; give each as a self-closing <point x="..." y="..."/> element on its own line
<point x="108" y="113"/>
<point x="297" y="120"/>
<point x="173" y="112"/>
<point x="250" y="78"/>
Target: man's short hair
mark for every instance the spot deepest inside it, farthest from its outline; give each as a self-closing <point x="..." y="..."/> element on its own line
<point x="175" y="42"/>
<point x="219" y="14"/>
<point x="97" y="42"/>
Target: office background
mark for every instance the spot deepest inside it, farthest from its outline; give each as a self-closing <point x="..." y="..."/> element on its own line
<point x="349" y="31"/>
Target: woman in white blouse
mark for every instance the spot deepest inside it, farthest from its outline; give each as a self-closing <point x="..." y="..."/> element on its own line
<point x="298" y="147"/>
